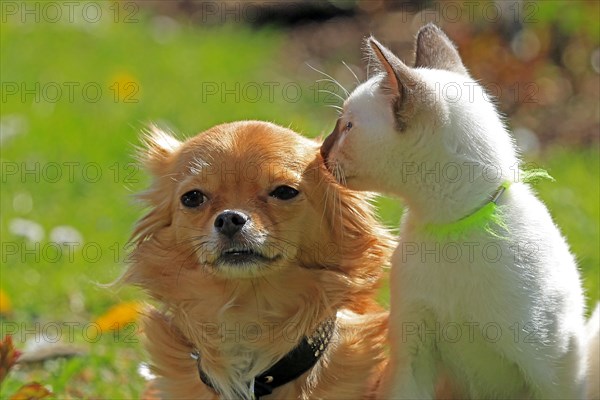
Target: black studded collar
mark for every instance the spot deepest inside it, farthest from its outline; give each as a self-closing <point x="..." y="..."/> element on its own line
<point x="291" y="366"/>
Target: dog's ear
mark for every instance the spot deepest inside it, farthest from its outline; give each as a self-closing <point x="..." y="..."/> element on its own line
<point x="398" y="76"/>
<point x="158" y="147"/>
<point x="436" y="51"/>
<point x="155" y="155"/>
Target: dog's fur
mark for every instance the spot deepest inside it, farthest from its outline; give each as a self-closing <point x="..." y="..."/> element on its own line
<point x="407" y="126"/>
<point x="325" y="255"/>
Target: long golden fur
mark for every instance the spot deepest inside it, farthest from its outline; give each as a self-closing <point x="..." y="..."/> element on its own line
<point x="325" y="255"/>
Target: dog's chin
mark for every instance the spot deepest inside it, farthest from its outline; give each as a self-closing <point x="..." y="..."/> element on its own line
<point x="244" y="264"/>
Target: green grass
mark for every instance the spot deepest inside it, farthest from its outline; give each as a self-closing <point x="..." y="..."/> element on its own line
<point x="50" y="285"/>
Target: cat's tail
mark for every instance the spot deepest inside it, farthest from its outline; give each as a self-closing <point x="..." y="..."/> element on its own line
<point x="593" y="355"/>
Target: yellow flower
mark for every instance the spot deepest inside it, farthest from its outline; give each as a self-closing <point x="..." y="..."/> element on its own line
<point x="125" y="88"/>
<point x="119" y="316"/>
<point x="5" y="305"/>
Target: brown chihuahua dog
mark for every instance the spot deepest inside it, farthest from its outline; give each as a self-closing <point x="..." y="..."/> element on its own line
<point x="265" y="269"/>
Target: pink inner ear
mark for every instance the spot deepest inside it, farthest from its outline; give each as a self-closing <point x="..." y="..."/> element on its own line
<point x="397" y="74"/>
<point x="378" y="50"/>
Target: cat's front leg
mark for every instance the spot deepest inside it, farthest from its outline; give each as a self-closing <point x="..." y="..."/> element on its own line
<point x="412" y="370"/>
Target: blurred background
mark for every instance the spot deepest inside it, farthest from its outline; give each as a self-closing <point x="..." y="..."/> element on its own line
<point x="79" y="80"/>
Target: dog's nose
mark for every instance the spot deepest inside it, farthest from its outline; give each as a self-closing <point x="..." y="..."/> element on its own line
<point x="229" y="222"/>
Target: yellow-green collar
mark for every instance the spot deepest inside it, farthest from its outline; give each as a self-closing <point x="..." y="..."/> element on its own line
<point x="481" y="219"/>
<point x="485" y="217"/>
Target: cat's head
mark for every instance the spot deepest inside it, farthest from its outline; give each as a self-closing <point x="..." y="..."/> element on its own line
<point x="405" y="122"/>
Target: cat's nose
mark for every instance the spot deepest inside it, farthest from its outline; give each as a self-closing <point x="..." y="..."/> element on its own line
<point x="330" y="141"/>
<point x="229" y="222"/>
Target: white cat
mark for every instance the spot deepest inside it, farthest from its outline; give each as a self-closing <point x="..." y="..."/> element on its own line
<point x="485" y="294"/>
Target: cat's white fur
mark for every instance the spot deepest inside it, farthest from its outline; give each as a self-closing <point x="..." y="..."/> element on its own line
<point x="593" y="330"/>
<point x="498" y="315"/>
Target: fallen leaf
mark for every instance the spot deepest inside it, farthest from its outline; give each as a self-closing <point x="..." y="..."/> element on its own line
<point x="8" y="356"/>
<point x="31" y="391"/>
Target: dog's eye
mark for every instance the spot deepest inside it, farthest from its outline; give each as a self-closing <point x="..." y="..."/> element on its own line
<point x="349" y="125"/>
<point x="284" y="192"/>
<point x="193" y="198"/>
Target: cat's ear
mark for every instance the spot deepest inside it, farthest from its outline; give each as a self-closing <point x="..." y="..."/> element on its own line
<point x="436" y="51"/>
<point x="397" y="74"/>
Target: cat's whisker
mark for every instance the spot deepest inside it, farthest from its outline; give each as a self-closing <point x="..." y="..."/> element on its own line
<point x="325" y="200"/>
<point x="341" y="211"/>
<point x="331" y="93"/>
<point x="346" y="92"/>
<point x="333" y="80"/>
<point x="352" y="72"/>
<point x="340" y="173"/>
<point x="339" y="110"/>
<point x="335" y="106"/>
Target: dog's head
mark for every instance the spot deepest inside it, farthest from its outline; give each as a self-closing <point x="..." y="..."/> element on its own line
<point x="246" y="201"/>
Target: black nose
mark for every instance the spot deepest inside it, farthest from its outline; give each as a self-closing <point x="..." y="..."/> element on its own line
<point x="230" y="222"/>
